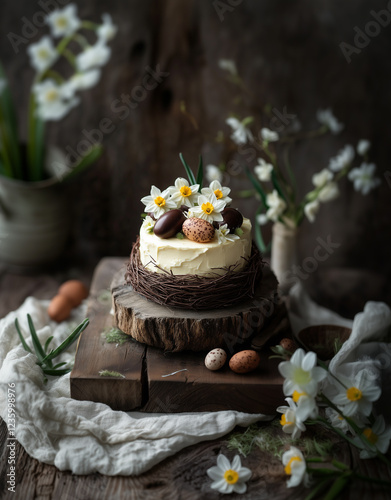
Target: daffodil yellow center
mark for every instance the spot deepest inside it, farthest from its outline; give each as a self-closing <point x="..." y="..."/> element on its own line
<point x="52" y="95"/>
<point x="185" y="191"/>
<point x="231" y="476"/>
<point x="288" y="467"/>
<point x="297" y="395"/>
<point x="61" y="22"/>
<point x="43" y="53"/>
<point x="284" y="421"/>
<point x="207" y="208"/>
<point x="301" y="377"/>
<point x="353" y="394"/>
<point x="160" y="201"/>
<point x="370" y="435"/>
<point x="218" y="193"/>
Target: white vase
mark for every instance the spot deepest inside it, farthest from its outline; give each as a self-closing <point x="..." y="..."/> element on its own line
<point x="284" y="254"/>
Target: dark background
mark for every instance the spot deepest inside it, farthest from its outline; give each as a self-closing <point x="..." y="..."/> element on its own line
<point x="288" y="55"/>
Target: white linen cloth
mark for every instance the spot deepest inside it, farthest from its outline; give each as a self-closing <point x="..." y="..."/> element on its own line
<point x="82" y="436"/>
<point x="368" y="346"/>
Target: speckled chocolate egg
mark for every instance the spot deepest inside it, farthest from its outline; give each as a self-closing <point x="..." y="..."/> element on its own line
<point x="74" y="290"/>
<point x="215" y="359"/>
<point x="288" y="345"/>
<point x="198" y="230"/>
<point x="169" y="224"/>
<point x="244" y="361"/>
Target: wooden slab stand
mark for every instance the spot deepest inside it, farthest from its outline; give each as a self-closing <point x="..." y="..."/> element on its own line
<point x="158" y="382"/>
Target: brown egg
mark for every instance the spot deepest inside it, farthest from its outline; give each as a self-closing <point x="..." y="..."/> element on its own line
<point x="244" y="361"/>
<point x="59" y="308"/>
<point x="74" y="290"/>
<point x="198" y="230"/>
<point x="288" y="345"/>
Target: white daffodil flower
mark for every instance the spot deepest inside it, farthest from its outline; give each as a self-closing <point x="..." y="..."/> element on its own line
<point x="83" y="81"/>
<point x="276" y="206"/>
<point x="322" y="177"/>
<point x="213" y="173"/>
<point x="343" y="159"/>
<point x="290" y="421"/>
<point x="241" y="134"/>
<point x="107" y="30"/>
<point x="184" y="194"/>
<point x="223" y="234"/>
<point x="158" y="202"/>
<point x="64" y="22"/>
<point x="263" y="170"/>
<point x="301" y="373"/>
<point x="363" y="178"/>
<point x="218" y="190"/>
<point x="262" y="219"/>
<point x="209" y="208"/>
<point x="329" y="192"/>
<point x="337" y="420"/>
<point x="148" y="224"/>
<point x="356" y="396"/>
<point x="53" y="101"/>
<point x="306" y="405"/>
<point x="269" y="135"/>
<point x="228" y="65"/>
<point x="311" y="209"/>
<point x="378" y="438"/>
<point x="42" y="54"/>
<point x="96" y="55"/>
<point x="363" y="147"/>
<point x="295" y="466"/>
<point x="326" y="117"/>
<point x="229" y="478"/>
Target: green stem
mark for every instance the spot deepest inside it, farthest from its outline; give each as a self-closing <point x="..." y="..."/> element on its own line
<point x="372" y="479"/>
<point x="70" y="57"/>
<point x="89" y="25"/>
<point x="306" y="135"/>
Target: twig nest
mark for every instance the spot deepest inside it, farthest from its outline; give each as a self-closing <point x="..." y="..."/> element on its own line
<point x="215" y="359"/>
<point x="244" y="361"/>
<point x="198" y="230"/>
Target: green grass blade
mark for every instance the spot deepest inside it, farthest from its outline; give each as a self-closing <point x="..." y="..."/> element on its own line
<point x="200" y="173"/>
<point x="257" y="187"/>
<point x="25" y="346"/>
<point x="36" y="343"/>
<point x="67" y="342"/>
<point x="45" y="347"/>
<point x="258" y="235"/>
<point x="189" y="172"/>
<point x="35" y="143"/>
<point x="276" y="184"/>
<point x="92" y="156"/>
<point x="58" y="365"/>
<point x="55" y="373"/>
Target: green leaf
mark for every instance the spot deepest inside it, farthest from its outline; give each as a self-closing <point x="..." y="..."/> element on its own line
<point x="257" y="187"/>
<point x="337" y="487"/>
<point x="67" y="342"/>
<point x="318" y="488"/>
<point x="276" y="184"/>
<point x="258" y="235"/>
<point x="55" y="373"/>
<point x="200" y="173"/>
<point x="92" y="156"/>
<point x="189" y="172"/>
<point x="36" y="343"/>
<point x="45" y="347"/>
<point x="35" y="143"/>
<point x="25" y="346"/>
<point x="59" y="364"/>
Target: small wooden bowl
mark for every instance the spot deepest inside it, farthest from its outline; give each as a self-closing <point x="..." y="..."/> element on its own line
<point x="324" y="340"/>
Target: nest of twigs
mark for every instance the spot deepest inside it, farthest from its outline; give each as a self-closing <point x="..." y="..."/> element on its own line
<point x="198" y="293"/>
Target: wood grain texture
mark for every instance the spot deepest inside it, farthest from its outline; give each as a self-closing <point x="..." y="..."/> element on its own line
<point x="175" y="330"/>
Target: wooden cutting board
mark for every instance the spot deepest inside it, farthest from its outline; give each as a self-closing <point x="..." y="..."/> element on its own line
<point x="158" y="382"/>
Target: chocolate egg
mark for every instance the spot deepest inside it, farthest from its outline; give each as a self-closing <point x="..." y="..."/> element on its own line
<point x="74" y="290"/>
<point x="184" y="208"/>
<point x="232" y="217"/>
<point x="198" y="230"/>
<point x="215" y="359"/>
<point x="244" y="361"/>
<point x="59" y="308"/>
<point x="169" y="224"/>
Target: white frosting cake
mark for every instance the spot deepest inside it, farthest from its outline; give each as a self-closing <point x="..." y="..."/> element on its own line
<point x="184" y="256"/>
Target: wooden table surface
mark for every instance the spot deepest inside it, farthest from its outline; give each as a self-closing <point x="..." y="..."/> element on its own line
<point x="182" y="476"/>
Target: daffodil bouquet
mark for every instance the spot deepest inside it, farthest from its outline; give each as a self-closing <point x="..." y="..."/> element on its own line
<point x="52" y="95"/>
<point x="274" y="180"/>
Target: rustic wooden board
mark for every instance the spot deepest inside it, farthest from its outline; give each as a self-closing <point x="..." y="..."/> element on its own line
<point x="145" y="386"/>
<point x="174" y="329"/>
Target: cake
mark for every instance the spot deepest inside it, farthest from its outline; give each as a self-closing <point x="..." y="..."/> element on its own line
<point x="194" y="249"/>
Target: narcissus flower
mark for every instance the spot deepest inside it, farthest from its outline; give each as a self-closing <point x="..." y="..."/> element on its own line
<point x="223" y="234"/>
<point x="218" y="190"/>
<point x="42" y="54"/>
<point x="269" y="135"/>
<point x="343" y="159"/>
<point x="240" y="133"/>
<point x="326" y="117"/>
<point x="86" y="80"/>
<point x="301" y="373"/>
<point x="378" y="438"/>
<point x="322" y="178"/>
<point x="276" y="206"/>
<point x="158" y="202"/>
<point x="94" y="56"/>
<point x="184" y="194"/>
<point x="148" y="224"/>
<point x="107" y="30"/>
<point x="227" y="477"/>
<point x="329" y="192"/>
<point x="54" y="101"/>
<point x="263" y="170"/>
<point x="363" y="147"/>
<point x="363" y="178"/>
<point x="290" y="421"/>
<point x="356" y="396"/>
<point x="295" y="466"/>
<point x="209" y="208"/>
<point x="311" y="209"/>
<point x="64" y="22"/>
<point x="213" y="173"/>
